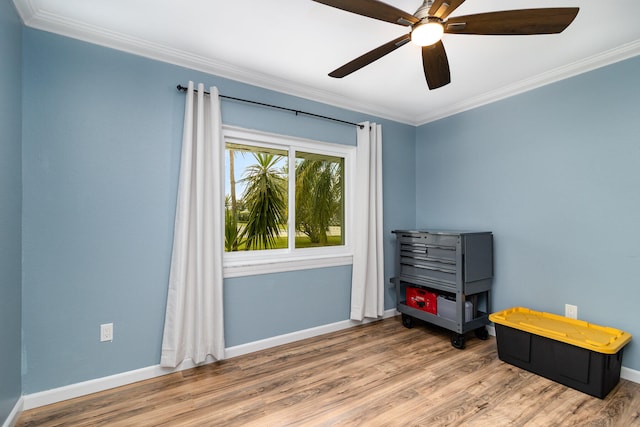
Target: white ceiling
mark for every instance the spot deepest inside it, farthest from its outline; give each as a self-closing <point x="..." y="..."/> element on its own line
<point x="291" y="45"/>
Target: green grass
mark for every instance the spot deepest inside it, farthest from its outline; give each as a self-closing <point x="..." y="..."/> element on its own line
<point x="302" y="242"/>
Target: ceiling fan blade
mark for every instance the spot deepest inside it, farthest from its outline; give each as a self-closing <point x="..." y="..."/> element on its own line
<point x="513" y="22"/>
<point x="373" y="9"/>
<point x="436" y="65"/>
<point x="370" y="56"/>
<point x="443" y="8"/>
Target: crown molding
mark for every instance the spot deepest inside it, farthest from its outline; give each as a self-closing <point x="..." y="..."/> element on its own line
<point x="45" y="21"/>
<point x="42" y="20"/>
<point x="620" y="53"/>
<point x="26" y="10"/>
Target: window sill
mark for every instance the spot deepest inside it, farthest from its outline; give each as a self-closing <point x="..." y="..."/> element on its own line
<point x="252" y="268"/>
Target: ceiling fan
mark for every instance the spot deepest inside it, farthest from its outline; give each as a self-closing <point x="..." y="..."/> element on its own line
<point x="430" y="22"/>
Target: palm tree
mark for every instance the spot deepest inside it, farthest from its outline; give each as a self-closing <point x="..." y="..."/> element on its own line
<point x="318" y="198"/>
<point x="232" y="237"/>
<point x="266" y="199"/>
<point x="231" y="218"/>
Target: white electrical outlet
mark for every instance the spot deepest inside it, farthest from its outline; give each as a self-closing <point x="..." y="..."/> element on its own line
<point x="106" y="332"/>
<point x="571" y="311"/>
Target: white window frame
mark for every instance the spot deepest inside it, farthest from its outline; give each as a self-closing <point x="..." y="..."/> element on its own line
<point x="246" y="263"/>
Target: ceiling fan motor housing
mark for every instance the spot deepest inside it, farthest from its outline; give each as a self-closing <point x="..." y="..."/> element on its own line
<point x="423" y="11"/>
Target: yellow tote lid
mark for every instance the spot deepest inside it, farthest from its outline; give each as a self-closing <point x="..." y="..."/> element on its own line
<point x="601" y="339"/>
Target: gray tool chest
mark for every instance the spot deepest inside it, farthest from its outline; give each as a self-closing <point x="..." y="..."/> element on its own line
<point x="442" y="277"/>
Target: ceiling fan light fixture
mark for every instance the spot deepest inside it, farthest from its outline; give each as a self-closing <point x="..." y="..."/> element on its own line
<point x="428" y="33"/>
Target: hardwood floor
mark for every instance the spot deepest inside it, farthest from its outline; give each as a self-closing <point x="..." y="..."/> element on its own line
<point x="380" y="374"/>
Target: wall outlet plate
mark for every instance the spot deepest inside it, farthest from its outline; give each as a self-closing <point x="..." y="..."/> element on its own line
<point x="571" y="311"/>
<point x="106" y="332"/>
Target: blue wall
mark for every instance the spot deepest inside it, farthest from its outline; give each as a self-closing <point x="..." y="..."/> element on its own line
<point x="10" y="207"/>
<point x="101" y="147"/>
<point x="551" y="172"/>
<point x="555" y="174"/>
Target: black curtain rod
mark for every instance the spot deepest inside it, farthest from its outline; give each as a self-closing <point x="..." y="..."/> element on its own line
<point x="184" y="89"/>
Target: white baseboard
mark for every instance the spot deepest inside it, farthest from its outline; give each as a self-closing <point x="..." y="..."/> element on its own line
<point x="299" y="335"/>
<point x="71" y="391"/>
<point x="630" y="374"/>
<point x="492" y="330"/>
<point x="14" y="414"/>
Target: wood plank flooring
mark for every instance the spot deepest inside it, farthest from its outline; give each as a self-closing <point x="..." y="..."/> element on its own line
<point x="380" y="374"/>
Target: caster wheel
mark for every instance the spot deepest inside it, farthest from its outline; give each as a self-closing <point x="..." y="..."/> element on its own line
<point x="481" y="333"/>
<point x="458" y="340"/>
<point x="407" y="321"/>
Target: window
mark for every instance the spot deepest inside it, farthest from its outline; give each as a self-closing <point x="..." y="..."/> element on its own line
<point x="319" y="185"/>
<point x="256" y="205"/>
<point x="287" y="203"/>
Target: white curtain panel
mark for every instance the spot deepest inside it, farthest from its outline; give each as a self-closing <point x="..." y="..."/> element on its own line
<point x="367" y="282"/>
<point x="193" y="326"/>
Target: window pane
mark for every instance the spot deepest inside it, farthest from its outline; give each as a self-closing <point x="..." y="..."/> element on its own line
<point x="319" y="200"/>
<point x="256" y="198"/>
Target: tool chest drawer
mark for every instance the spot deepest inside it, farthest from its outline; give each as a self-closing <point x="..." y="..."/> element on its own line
<point x="433" y="239"/>
<point x="428" y="270"/>
<point x="423" y="251"/>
